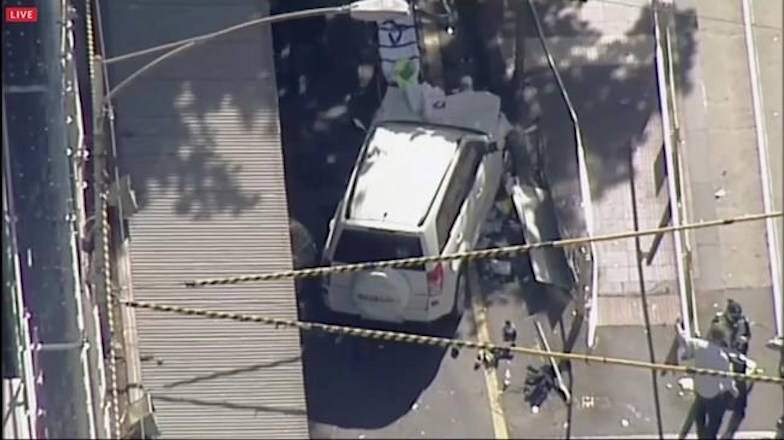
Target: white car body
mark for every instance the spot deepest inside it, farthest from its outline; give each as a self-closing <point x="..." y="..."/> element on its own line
<point x="421" y="186"/>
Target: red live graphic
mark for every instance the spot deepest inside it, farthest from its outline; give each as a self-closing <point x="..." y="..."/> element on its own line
<point x="21" y="14"/>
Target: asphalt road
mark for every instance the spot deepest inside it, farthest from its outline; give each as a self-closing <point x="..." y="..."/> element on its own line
<point x="397" y="391"/>
<point x="358" y="388"/>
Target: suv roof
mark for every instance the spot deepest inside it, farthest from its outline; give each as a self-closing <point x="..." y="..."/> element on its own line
<point x="401" y="172"/>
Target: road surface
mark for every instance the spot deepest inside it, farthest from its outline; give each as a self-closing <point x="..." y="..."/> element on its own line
<point x="358" y="388"/>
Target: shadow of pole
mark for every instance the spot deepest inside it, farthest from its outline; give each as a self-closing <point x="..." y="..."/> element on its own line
<point x="568" y="343"/>
<point x="228" y="405"/>
<point x="233" y="372"/>
<point x="644" y="293"/>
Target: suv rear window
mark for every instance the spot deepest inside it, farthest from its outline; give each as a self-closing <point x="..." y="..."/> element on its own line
<point x="357" y="246"/>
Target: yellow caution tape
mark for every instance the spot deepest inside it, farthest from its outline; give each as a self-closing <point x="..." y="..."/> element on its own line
<point x="410" y="338"/>
<point x="502" y="252"/>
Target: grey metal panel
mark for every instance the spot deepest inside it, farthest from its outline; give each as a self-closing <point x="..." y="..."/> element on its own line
<point x="200" y="139"/>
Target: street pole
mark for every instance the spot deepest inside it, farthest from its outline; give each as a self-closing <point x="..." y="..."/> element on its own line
<point x="672" y="186"/>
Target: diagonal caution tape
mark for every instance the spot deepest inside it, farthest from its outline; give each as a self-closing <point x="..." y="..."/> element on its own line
<point x="501" y="252"/>
<point x="437" y="341"/>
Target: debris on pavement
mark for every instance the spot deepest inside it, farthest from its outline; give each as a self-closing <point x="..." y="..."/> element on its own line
<point x="538" y="384"/>
<point x="720" y="193"/>
<point x="624" y="423"/>
<point x="553" y="364"/>
<point x="485" y="358"/>
<point x="507" y="379"/>
<point x="686" y="384"/>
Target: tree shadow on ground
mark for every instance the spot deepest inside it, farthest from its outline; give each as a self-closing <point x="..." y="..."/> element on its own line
<point x="610" y="79"/>
<point x="327" y="76"/>
<point x="182" y="130"/>
<point x="612" y="84"/>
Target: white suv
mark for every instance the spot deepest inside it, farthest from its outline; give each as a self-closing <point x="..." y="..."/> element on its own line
<point x="420" y="187"/>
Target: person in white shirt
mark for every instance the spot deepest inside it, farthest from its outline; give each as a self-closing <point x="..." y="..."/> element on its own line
<point x="711" y="392"/>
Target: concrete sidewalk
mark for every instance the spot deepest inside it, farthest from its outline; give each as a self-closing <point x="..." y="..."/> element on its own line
<point x="605" y="53"/>
<point x="767" y="32"/>
<point x="723" y="176"/>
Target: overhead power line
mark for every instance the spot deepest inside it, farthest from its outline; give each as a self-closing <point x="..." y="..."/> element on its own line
<point x="501" y="252"/>
<point x="437" y="341"/>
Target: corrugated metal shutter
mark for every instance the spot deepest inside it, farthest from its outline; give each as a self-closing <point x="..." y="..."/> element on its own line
<point x="200" y="138"/>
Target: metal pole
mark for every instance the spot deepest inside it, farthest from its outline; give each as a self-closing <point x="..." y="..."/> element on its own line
<point x="585" y="185"/>
<point x="762" y="154"/>
<point x="664" y="105"/>
<point x="66" y="48"/>
<point x="60" y="346"/>
<point x="556" y="370"/>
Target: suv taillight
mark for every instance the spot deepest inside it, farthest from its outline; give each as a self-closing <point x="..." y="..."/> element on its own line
<point x="435" y="280"/>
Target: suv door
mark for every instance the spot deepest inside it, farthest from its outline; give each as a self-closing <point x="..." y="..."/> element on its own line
<point x="483" y="192"/>
<point x="454" y="221"/>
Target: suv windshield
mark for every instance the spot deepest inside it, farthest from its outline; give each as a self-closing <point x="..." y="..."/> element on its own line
<point x="358" y="246"/>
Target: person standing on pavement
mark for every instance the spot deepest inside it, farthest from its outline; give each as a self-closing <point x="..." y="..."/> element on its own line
<point x="711" y="392"/>
<point x="737" y="325"/>
<point x="509" y="334"/>
<point x="739" y="333"/>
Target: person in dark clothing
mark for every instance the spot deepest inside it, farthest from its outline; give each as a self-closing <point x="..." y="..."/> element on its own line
<point x="509" y="333"/>
<point x="738" y="337"/>
<point x="739" y="364"/>
<point x="739" y="330"/>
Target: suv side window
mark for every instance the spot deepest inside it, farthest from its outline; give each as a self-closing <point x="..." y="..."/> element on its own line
<point x="460" y="185"/>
